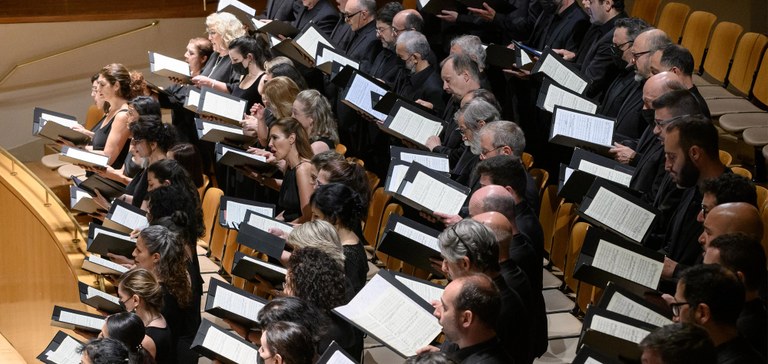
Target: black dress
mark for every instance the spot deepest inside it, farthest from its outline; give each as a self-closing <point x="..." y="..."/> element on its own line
<point x="289" y="199"/>
<point x="251" y="94"/>
<point x="355" y="265"/>
<point x="183" y="322"/>
<point x="138" y="188"/>
<point x="165" y="350"/>
<point x="99" y="140"/>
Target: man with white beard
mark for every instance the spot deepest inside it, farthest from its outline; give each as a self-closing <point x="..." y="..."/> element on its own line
<point x="471" y="118"/>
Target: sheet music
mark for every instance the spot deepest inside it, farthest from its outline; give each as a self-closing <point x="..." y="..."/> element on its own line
<point x="207" y="127"/>
<point x="627" y="307"/>
<point x="359" y="94"/>
<point x="223" y="106"/>
<point x="398" y="173"/>
<point x="592" y="361"/>
<point x="235" y="211"/>
<point x="391" y="316"/>
<point x="620" y="214"/>
<point x="107" y="263"/>
<point x="423" y="3"/>
<point x="93" y="292"/>
<point x="339" y="358"/>
<point x="128" y="218"/>
<point x="245" y="8"/>
<point x="560" y="97"/>
<point x="162" y="62"/>
<point x="264" y="224"/>
<point x="81" y="320"/>
<point x="562" y="75"/>
<point x="58" y="120"/>
<point x="309" y="40"/>
<point x="331" y="56"/>
<point x="435" y="163"/>
<point x="627" y="264"/>
<point x="237" y="304"/>
<point x="583" y="127"/>
<point x="417" y="236"/>
<point x="193" y="99"/>
<point x="568" y="173"/>
<point x="524" y="58"/>
<point x="229" y="347"/>
<point x="260" y="158"/>
<point x="428" y="292"/>
<point x="619" y="177"/>
<point x="97" y="232"/>
<point x="618" y="329"/>
<point x="433" y="194"/>
<point x="66" y="353"/>
<point x="81" y="194"/>
<point x="264" y="264"/>
<point x="93" y="158"/>
<point x="258" y="24"/>
<point x="414" y="126"/>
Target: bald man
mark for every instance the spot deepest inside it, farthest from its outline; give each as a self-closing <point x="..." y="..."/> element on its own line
<point x="727" y="218"/>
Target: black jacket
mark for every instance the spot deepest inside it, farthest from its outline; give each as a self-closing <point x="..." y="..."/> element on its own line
<point x="324" y="16"/>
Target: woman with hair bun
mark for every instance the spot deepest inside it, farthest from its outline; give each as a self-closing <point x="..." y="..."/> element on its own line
<point x="128" y="328"/>
<point x="314" y="113"/>
<point x="140" y="292"/>
<point x="286" y="343"/>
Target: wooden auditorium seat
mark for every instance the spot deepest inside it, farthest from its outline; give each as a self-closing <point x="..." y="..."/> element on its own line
<point x="672" y="20"/>
<point x="718" y="57"/>
<point x="696" y="35"/>
<point x="646" y="10"/>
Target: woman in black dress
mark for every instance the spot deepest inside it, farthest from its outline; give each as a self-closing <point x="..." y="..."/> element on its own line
<point x="141" y="293"/>
<point x="314" y="113"/>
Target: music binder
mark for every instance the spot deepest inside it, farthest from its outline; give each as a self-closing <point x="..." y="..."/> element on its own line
<point x="574" y="128"/>
<point x="99" y="300"/>
<point x="411" y="123"/>
<point x="227" y="301"/>
<point x="222" y="133"/>
<point x="102" y="240"/>
<point x="606" y="257"/>
<point x="54" y="126"/>
<point x="425" y="289"/>
<point x="303" y="48"/>
<point x="217" y="343"/>
<point x="574" y="184"/>
<point x="410" y="242"/>
<point x="436" y="7"/>
<point x="435" y="161"/>
<point x="602" y="167"/>
<point x="275" y="27"/>
<point x="73" y="319"/>
<point x="250" y="268"/>
<point x="260" y="240"/>
<point x="334" y="354"/>
<point x="221" y="105"/>
<point x="81" y="200"/>
<point x="102" y="266"/>
<point x="562" y="72"/>
<point x="625" y="331"/>
<point x="124" y="217"/>
<point x="612" y="207"/>
<point x="108" y="188"/>
<point x="586" y="355"/>
<point x="169" y="67"/>
<point x="431" y="191"/>
<point x="500" y="6"/>
<point x="508" y="58"/>
<point x="392" y="314"/>
<point x="362" y="92"/>
<point x="395" y="175"/>
<point x="387" y="103"/>
<point x="616" y="298"/>
<point x="232" y="210"/>
<point x="237" y="158"/>
<point x="551" y="94"/>
<point x="331" y="61"/>
<point x="241" y="11"/>
<point x="83" y="157"/>
<point x="193" y="99"/>
<point x="63" y="349"/>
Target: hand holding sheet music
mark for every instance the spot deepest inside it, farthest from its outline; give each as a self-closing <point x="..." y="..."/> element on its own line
<point x="554" y="95"/>
<point x="564" y="74"/>
<point x="433" y="194"/>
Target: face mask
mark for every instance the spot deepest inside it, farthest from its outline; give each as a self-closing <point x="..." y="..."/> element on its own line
<point x="649" y="115"/>
<point x="122" y="306"/>
<point x="240" y="68"/>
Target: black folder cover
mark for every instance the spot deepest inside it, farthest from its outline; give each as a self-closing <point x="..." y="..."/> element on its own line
<point x="99" y="303"/>
<point x="231" y="134"/>
<point x="573" y="142"/>
<point x="108" y="188"/>
<point x="223" y="221"/>
<point x="569" y="65"/>
<point x="400" y="104"/>
<point x="405" y="249"/>
<point x="260" y="241"/>
<point x="331" y="352"/>
<point x="651" y="300"/>
<point x="342" y="78"/>
<point x="57" y="314"/>
<point x="331" y="67"/>
<point x="247" y="268"/>
<point x="625" y="194"/>
<point x="197" y="344"/>
<point x="413" y="170"/>
<point x="228" y="156"/>
<point x="502" y="57"/>
<point x="53" y="130"/>
<point x="214" y="288"/>
<point x="437" y="6"/>
<point x="586" y="353"/>
<point x="53" y="346"/>
<point x="387" y="103"/>
<point x="104" y="243"/>
<point x="279" y="27"/>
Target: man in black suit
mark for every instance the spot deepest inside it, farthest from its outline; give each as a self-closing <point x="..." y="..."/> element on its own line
<point x="363" y="46"/>
<point x="284" y="10"/>
<point x="320" y="12"/>
<point x="420" y="81"/>
<point x="341" y="31"/>
<point x="678" y="60"/>
<point x="387" y="66"/>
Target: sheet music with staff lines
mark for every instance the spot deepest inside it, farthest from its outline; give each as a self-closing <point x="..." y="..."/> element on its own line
<point x="627" y="264"/>
<point x="229" y="347"/>
<point x="588" y="128"/>
<point x="80" y="320"/>
<point x="66" y="353"/>
<point x="619" y="177"/>
<point x="627" y="307"/>
<point x="433" y="194"/>
<point x="618" y="329"/>
<point x="620" y="214"/>
<point x="236" y="211"/>
<point x="237" y="304"/>
<point x="417" y="236"/>
<point x="414" y="126"/>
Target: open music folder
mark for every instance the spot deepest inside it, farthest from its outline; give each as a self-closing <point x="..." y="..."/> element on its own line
<point x="508" y="58"/>
<point x="193" y="99"/>
<point x="232" y="210"/>
<point x="435" y="161"/>
<point x="275" y="27"/>
<point x="215" y="342"/>
<point x="608" y="257"/>
<point x="107" y="187"/>
<point x="395" y="175"/>
<point x="251" y="268"/>
<point x="169" y="67"/>
<point x="425" y="289"/>
<point x="618" y="299"/>
<point x="221" y="105"/>
<point x="103" y="240"/>
<point x="613" y="207"/>
<point x="303" y="48"/>
<point x="393" y="315"/>
<point x="98" y="299"/>
<point x="410" y="123"/>
<point x="564" y="73"/>
<point x="63" y="349"/>
<point x="362" y="92"/>
<point x="100" y="265"/>
<point x="81" y="200"/>
<point x="387" y="103"/>
<point x="236" y="157"/>
<point x="620" y="327"/>
<point x="602" y="167"/>
<point x="227" y="301"/>
<point x="334" y="354"/>
<point x="83" y="157"/>
<point x="330" y="61"/>
<point x="254" y="233"/>
<point x="241" y="11"/>
<point x="125" y="218"/>
<point x="551" y="94"/>
<point x="574" y="128"/>
<point x="216" y="133"/>
<point x="410" y="242"/>
<point x="587" y="355"/>
<point x="431" y="191"/>
<point x="74" y="319"/>
<point x="54" y="126"/>
<point x="436" y="6"/>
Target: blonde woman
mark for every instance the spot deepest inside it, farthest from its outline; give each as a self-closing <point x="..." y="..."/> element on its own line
<point x="217" y="74"/>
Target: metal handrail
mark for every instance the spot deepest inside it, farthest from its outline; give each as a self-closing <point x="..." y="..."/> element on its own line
<point x="58" y="53"/>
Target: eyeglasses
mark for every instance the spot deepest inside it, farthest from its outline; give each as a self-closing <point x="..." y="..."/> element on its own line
<point x="615" y="48"/>
<point x="382" y="30"/>
<point x="636" y="56"/>
<point x="463" y="243"/>
<point x="676" y="307"/>
<point x="462" y="131"/>
<point x="485" y="153"/>
<point x="350" y="16"/>
<point x="397" y="31"/>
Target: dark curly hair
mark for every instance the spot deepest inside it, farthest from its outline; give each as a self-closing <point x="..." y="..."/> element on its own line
<point x="153" y="130"/>
<point x="317" y="278"/>
<point x="296" y="310"/>
<point x="349" y="173"/>
<point x="189" y="157"/>
<point x="341" y="205"/>
<point x="171" y="269"/>
<point x="181" y="203"/>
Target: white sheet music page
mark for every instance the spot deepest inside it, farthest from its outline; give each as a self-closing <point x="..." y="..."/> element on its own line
<point x="80" y="320"/>
<point x="392" y="317"/>
<point x="339" y="358"/>
<point x="207" y="127"/>
<point x="434" y="195"/>
<point x="360" y="93"/>
<point x="414" y="126"/>
<point x="245" y="8"/>
<point x="428" y="292"/>
<point x="558" y="96"/>
<point x="627" y="307"/>
<point x="93" y="292"/>
<point x="588" y="128"/>
<point x="423" y="3"/>
<point x="266" y="265"/>
<point x="309" y="40"/>
<point x="107" y="263"/>
<point x="619" y="214"/>
<point x="592" y="361"/>
<point x="568" y="173"/>
<point x="439" y="164"/>
<point x="236" y="211"/>
<point x="618" y="329"/>
<point x="331" y="56"/>
<point x="193" y="99"/>
<point x="167" y="63"/>
<point x="627" y="264"/>
<point x="66" y="353"/>
<point x="237" y="304"/>
<point x="562" y="75"/>
<point x="58" y="120"/>
<point x="398" y="173"/>
<point x="229" y="347"/>
<point x="264" y="224"/>
<point x="619" y="177"/>
<point x="417" y="236"/>
<point x="256" y="157"/>
<point x="79" y="154"/>
<point x="223" y="106"/>
<point x="128" y="218"/>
